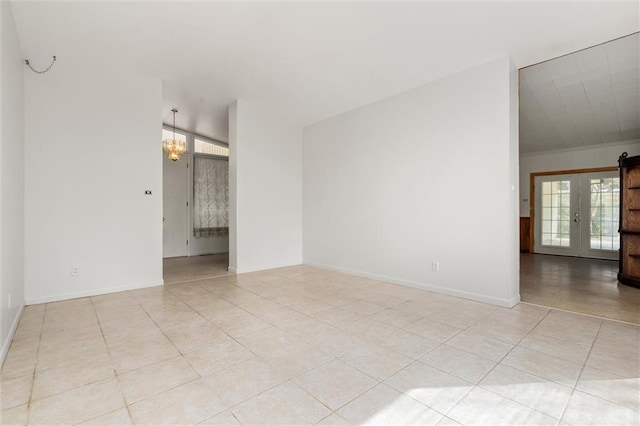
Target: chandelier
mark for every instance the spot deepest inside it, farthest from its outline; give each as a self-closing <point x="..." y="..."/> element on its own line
<point x="173" y="147"/>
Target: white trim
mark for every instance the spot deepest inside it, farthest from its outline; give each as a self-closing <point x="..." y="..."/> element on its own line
<point x="97" y="292"/>
<point x="581" y="148"/>
<point x="232" y="269"/>
<point x="7" y="342"/>
<point x="193" y="135"/>
<point x="508" y="303"/>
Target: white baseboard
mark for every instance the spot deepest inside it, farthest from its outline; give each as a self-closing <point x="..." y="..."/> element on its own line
<point x="94" y="292"/>
<point x="9" y="338"/>
<point x="232" y="269"/>
<point x="508" y="303"/>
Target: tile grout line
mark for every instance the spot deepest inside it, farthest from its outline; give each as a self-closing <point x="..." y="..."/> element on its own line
<point x="584" y="364"/>
<point x="35" y="368"/>
<point x="259" y="291"/>
<point x="115" y="372"/>
<point x="333" y="358"/>
<point x="382" y="381"/>
<point x="61" y="392"/>
<point x="64" y="365"/>
<point x="500" y="363"/>
<point x="180" y="355"/>
<point x="407" y="366"/>
<point x="256" y="356"/>
<point x="233" y="338"/>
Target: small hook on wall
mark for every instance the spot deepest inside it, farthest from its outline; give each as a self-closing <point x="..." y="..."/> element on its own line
<point x="42" y="71"/>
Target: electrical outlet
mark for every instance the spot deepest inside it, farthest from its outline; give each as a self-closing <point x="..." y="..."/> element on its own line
<point x="9" y="301"/>
<point x="435" y="266"/>
<point x="75" y="271"/>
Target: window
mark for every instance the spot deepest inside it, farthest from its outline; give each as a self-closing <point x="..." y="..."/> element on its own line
<point x="577" y="214"/>
<point x="555" y="213"/>
<point x="605" y="213"/>
<point x="210" y="196"/>
<point x="206" y="147"/>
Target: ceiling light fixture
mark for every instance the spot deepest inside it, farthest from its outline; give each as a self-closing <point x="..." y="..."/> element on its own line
<point x="173" y="147"/>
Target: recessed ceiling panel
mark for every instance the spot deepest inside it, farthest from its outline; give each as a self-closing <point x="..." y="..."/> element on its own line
<point x="585" y="98"/>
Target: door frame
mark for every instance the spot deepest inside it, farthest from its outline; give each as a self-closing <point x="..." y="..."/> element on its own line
<point x="532" y="194"/>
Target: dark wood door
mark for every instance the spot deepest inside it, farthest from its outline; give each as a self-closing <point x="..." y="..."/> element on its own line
<point x="525" y="236"/>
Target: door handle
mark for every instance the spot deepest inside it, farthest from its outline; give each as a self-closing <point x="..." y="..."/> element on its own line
<point x="576" y="217"/>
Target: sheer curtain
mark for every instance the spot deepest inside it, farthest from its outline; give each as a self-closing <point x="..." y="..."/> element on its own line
<point x="210" y="197"/>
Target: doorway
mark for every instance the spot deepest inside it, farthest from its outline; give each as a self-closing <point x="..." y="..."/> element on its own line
<point x="195" y="210"/>
<point x="577" y="214"/>
<point x="576" y="118"/>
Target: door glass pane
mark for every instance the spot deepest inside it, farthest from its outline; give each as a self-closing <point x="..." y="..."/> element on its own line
<point x="604" y="212"/>
<point x="556" y="221"/>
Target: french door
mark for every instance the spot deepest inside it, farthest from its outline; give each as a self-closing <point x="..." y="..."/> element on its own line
<point x="578" y="214"/>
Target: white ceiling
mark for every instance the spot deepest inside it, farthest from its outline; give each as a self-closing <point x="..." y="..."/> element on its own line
<point x="310" y="60"/>
<point x="586" y="98"/>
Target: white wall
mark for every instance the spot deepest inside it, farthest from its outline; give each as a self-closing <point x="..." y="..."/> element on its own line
<point x="92" y="149"/>
<point x="265" y="188"/>
<point x="11" y="178"/>
<point x="605" y="155"/>
<point x="512" y="258"/>
<point x="427" y="175"/>
<point x="199" y="246"/>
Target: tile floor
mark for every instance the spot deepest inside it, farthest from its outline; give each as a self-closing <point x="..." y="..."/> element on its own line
<point x="578" y="284"/>
<point x="307" y="346"/>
